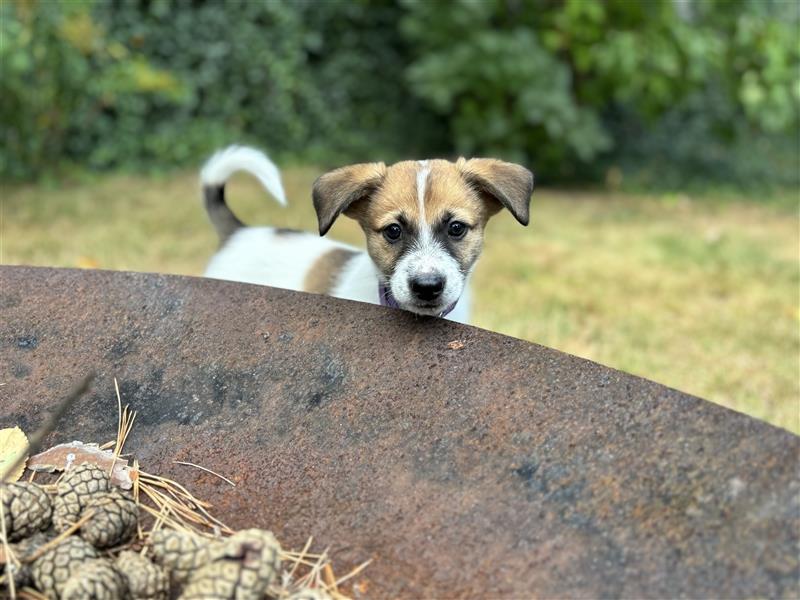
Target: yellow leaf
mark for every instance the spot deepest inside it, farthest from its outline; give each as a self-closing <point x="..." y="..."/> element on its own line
<point x="81" y="32"/>
<point x="13" y="442"/>
<point x="86" y="262"/>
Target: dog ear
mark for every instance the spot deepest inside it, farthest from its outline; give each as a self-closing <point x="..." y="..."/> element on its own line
<point x="509" y="184"/>
<point x="337" y="190"/>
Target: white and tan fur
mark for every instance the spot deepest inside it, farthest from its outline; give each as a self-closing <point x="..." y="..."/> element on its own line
<point x="426" y="270"/>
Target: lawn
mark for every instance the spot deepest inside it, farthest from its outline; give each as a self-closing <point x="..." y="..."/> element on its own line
<point x="701" y="295"/>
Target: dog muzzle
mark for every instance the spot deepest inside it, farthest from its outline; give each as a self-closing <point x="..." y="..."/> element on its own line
<point x="387" y="299"/>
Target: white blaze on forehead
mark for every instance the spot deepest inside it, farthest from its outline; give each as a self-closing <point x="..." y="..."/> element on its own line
<point x="426" y="256"/>
<point x="423" y="170"/>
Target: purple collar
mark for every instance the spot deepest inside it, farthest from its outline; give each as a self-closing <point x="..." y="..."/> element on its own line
<point x="387" y="299"/>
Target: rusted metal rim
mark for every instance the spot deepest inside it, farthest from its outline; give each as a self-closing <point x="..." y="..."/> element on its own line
<point x="500" y="468"/>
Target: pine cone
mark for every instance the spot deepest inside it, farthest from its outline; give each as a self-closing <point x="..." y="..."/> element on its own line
<point x="27" y="509"/>
<point x="241" y="567"/>
<point x="51" y="571"/>
<point x="114" y="519"/>
<point x="258" y="551"/>
<point x="180" y="552"/>
<point x="218" y="580"/>
<point x="21" y="574"/>
<point x="75" y="490"/>
<point x="95" y="580"/>
<point x="146" y="581"/>
<point x="22" y="550"/>
<point x="310" y="594"/>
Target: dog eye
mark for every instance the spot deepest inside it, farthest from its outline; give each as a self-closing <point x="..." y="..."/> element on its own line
<point x="392" y="232"/>
<point x="457" y="229"/>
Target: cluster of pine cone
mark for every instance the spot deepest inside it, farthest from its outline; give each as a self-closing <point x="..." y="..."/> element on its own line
<point x="81" y="566"/>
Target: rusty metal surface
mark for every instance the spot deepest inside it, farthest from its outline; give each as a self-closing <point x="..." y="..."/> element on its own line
<point x="500" y="469"/>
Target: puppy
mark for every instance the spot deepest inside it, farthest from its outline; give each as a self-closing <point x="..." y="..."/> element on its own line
<point x="423" y="222"/>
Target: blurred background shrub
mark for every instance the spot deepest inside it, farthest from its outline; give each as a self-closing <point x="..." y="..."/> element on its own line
<point x="659" y="93"/>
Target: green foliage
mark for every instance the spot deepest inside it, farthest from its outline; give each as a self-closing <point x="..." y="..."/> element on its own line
<point x="480" y="65"/>
<point x="669" y="93"/>
<point x="738" y="125"/>
<point x="133" y="84"/>
<point x="561" y="85"/>
<point x="241" y="63"/>
<point x="358" y="55"/>
<point x="63" y="78"/>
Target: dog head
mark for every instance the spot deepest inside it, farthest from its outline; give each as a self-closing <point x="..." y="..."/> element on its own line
<point x="424" y="220"/>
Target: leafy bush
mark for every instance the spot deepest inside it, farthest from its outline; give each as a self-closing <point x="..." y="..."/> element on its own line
<point x="673" y="92"/>
<point x="357" y="56"/>
<point x="561" y="88"/>
<point x="502" y="91"/>
<point x="124" y="84"/>
<point x="63" y="80"/>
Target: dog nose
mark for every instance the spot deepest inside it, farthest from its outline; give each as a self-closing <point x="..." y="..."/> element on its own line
<point x="427" y="287"/>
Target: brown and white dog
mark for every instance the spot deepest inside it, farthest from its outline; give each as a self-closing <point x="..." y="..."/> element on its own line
<point x="423" y="222"/>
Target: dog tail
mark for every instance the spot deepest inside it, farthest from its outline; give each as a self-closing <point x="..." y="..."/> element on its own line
<point x="215" y="174"/>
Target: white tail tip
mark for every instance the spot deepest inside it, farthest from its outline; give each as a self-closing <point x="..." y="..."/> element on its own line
<point x="219" y="168"/>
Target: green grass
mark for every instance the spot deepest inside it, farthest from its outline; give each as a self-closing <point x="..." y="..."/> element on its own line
<point x="701" y="295"/>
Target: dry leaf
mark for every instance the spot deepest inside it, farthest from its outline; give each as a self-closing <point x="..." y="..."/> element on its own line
<point x="86" y="262"/>
<point x="455" y="345"/>
<point x="63" y="456"/>
<point x="13" y="442"/>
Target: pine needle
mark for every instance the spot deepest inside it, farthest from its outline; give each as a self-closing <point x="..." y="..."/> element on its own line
<point x="330" y="580"/>
<point x="188" y="464"/>
<point x="299" y="556"/>
<point x="353" y="573"/>
<point x="60" y="537"/>
<point x="125" y="421"/>
<point x="171" y="505"/>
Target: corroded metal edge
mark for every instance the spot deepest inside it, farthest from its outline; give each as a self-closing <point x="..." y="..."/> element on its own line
<point x="499" y="469"/>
